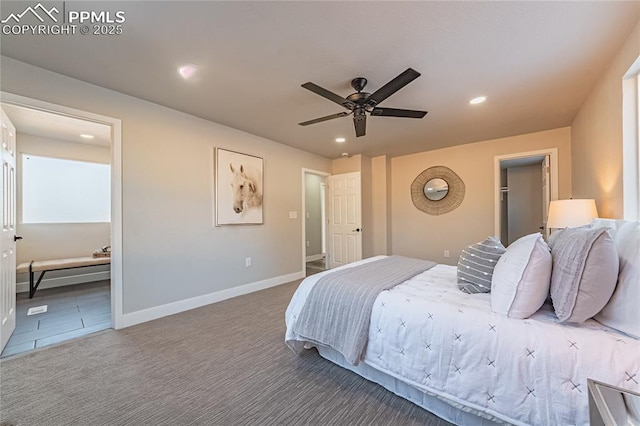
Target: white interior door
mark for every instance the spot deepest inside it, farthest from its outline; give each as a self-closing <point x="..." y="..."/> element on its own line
<point x="344" y="221"/>
<point x="8" y="233"/>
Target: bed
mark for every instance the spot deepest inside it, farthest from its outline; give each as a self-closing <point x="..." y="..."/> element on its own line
<point x="448" y="352"/>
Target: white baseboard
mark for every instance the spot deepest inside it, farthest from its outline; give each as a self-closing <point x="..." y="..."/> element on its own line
<point x="156" y="312"/>
<point x="314" y="257"/>
<point x="62" y="281"/>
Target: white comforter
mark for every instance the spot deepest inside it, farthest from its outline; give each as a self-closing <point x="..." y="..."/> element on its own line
<point x="431" y="335"/>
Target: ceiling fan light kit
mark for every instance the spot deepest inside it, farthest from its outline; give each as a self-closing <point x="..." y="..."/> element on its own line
<point x="362" y="103"/>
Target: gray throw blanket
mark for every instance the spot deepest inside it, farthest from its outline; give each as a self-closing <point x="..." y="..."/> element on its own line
<point x="338" y="309"/>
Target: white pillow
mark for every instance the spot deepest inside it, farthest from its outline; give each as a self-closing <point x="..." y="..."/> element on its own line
<point x="520" y="282"/>
<point x="622" y="312"/>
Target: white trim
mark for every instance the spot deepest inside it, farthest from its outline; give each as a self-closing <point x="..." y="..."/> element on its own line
<point x="314" y="257"/>
<point x="631" y="145"/>
<point x="156" y="312"/>
<point x="323" y="216"/>
<point x="304" y="211"/>
<point x="553" y="157"/>
<point x="64" y="281"/>
<point x="116" y="188"/>
<point x="117" y="283"/>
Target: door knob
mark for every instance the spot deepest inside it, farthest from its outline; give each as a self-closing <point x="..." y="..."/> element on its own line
<point x="355" y="230"/>
<point x="16" y="238"/>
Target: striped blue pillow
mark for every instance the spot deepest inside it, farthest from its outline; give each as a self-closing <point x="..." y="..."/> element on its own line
<point x="475" y="267"/>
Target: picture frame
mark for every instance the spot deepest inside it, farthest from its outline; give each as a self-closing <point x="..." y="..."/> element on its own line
<point x="239" y="184"/>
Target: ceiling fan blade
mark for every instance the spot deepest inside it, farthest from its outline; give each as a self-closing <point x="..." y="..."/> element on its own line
<point x="360" y="123"/>
<point x="321" y="119"/>
<point x="395" y="112"/>
<point x="328" y="95"/>
<point x="393" y="86"/>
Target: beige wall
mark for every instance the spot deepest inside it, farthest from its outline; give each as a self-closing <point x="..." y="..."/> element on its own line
<point x="346" y="165"/>
<point x="367" y="208"/>
<point x="420" y="235"/>
<point x="171" y="249"/>
<point x="381" y="205"/>
<point x="597" y="149"/>
<point x="45" y="241"/>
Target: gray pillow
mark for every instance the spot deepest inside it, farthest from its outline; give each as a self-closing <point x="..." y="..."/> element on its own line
<point x="584" y="273"/>
<point x="476" y="264"/>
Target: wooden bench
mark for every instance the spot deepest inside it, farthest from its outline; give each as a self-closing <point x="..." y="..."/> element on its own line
<point x="56" y="265"/>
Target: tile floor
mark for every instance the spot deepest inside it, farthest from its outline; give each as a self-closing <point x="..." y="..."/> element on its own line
<point x="72" y="311"/>
<point x="315" y="266"/>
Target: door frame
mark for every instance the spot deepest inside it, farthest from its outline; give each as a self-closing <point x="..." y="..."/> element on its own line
<point x="117" y="313"/>
<point x="323" y="212"/>
<point x="304" y="214"/>
<point x="8" y="239"/>
<point x="553" y="172"/>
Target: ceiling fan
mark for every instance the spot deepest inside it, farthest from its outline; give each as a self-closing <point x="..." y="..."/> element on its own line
<point x="361" y="103"/>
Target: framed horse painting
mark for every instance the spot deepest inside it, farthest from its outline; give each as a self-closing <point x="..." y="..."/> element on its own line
<point x="239" y="184"/>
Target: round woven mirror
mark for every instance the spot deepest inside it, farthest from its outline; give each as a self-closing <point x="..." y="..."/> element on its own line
<point x="437" y="190"/>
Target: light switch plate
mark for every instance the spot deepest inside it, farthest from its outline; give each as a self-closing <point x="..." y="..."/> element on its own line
<point x="293" y="215"/>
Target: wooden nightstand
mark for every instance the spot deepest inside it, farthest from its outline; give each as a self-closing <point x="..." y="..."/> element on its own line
<point x="612" y="406"/>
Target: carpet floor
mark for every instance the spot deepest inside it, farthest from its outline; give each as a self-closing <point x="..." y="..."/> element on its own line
<point x="222" y="364"/>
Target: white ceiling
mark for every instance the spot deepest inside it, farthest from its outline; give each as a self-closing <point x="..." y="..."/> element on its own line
<point x="535" y="61"/>
<point x="59" y="127"/>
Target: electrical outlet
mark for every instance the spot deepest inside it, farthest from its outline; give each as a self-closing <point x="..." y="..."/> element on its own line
<point x="446" y="253"/>
<point x="247" y="262"/>
<point x="308" y="244"/>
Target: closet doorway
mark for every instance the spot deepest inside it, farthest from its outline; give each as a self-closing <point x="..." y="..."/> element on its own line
<point x="525" y="184"/>
<point x="314" y="221"/>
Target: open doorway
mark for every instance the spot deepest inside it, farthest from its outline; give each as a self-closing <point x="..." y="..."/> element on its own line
<point x="70" y="302"/>
<point x="525" y="184"/>
<point x="314" y="222"/>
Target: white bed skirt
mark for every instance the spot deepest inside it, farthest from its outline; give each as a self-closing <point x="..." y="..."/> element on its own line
<point x="450" y="411"/>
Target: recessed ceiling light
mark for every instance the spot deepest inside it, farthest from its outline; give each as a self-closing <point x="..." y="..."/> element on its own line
<point x="478" y="100"/>
<point x="340" y="140"/>
<point x="85" y="136"/>
<point x="187" y="71"/>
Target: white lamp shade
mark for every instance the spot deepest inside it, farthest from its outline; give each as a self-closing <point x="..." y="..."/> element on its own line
<point x="571" y="213"/>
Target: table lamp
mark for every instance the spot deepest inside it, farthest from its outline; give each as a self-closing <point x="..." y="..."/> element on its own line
<point x="571" y="213"/>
